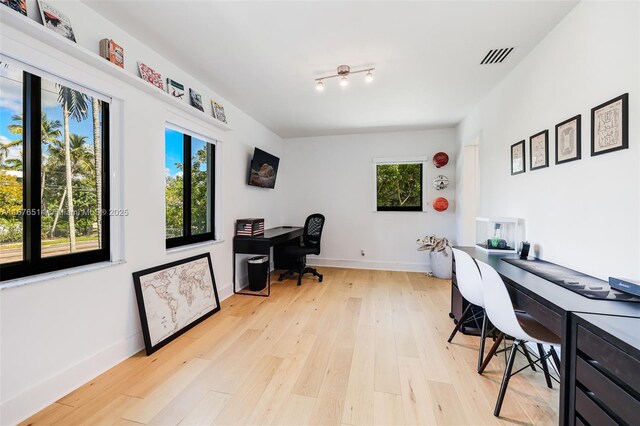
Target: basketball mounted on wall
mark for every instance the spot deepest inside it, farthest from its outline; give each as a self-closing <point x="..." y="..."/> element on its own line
<point x="440" y="159"/>
<point x="440" y="204"/>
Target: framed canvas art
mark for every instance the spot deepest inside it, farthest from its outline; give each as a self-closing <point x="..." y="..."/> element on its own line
<point x="174" y="297"/>
<point x="539" y="150"/>
<point x="517" y="158"/>
<point x="55" y="20"/>
<point x="568" y="140"/>
<point x="149" y="74"/>
<point x="610" y="126"/>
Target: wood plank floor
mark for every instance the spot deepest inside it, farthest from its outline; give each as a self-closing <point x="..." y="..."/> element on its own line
<point x="361" y="348"/>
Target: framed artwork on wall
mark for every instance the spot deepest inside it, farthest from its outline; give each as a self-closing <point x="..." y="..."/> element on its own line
<point x="568" y="140"/>
<point x="517" y="158"/>
<point x="610" y="126"/>
<point x="174" y="297"/>
<point x="539" y="150"/>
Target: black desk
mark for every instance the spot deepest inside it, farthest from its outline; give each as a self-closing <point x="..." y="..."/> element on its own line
<point x="278" y="238"/>
<point x="550" y="304"/>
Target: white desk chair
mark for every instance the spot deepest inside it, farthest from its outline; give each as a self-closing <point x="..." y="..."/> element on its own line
<point x="519" y="325"/>
<point x="470" y="286"/>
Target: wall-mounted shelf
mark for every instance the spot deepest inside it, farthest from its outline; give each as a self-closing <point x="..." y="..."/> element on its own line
<point x="29" y="27"/>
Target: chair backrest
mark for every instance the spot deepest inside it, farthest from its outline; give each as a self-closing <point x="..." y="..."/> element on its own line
<point x="468" y="278"/>
<point x="497" y="303"/>
<point x="313" y="231"/>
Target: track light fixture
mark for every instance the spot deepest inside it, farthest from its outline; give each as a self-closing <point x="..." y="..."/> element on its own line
<point x="343" y="72"/>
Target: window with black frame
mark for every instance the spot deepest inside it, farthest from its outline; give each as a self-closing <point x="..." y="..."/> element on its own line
<point x="399" y="186"/>
<point x="189" y="189"/>
<point x="54" y="180"/>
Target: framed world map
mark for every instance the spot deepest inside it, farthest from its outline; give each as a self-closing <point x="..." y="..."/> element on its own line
<point x="174" y="297"/>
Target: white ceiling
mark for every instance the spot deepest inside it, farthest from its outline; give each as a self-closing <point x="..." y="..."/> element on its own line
<point x="264" y="56"/>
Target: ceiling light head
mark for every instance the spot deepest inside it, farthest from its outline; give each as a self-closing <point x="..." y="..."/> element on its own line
<point x="369" y="76"/>
<point x="320" y="86"/>
<point x="344" y="81"/>
<point x="344" y="70"/>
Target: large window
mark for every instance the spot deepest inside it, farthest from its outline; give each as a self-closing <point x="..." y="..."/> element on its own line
<point x="54" y="181"/>
<point x="189" y="186"/>
<point x="399" y="187"/>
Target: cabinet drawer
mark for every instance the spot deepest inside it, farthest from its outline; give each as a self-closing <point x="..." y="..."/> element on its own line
<point x="590" y="411"/>
<point x="616" y="399"/>
<point x="620" y="364"/>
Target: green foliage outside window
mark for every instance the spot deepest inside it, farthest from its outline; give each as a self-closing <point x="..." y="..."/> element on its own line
<point x="399" y="186"/>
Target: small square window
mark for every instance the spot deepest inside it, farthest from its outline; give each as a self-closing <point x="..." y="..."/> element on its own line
<point x="399" y="187"/>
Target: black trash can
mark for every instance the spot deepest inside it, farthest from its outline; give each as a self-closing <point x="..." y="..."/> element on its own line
<point x="258" y="268"/>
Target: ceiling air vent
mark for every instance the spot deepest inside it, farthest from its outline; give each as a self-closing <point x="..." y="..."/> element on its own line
<point x="496" y="56"/>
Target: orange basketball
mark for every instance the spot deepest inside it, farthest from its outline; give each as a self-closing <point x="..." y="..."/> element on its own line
<point x="440" y="204"/>
<point x="440" y="159"/>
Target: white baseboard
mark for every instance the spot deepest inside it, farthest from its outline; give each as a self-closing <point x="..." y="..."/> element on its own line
<point x="369" y="264"/>
<point x="55" y="387"/>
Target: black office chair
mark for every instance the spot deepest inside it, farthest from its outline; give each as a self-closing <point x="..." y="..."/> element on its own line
<point x="311" y="245"/>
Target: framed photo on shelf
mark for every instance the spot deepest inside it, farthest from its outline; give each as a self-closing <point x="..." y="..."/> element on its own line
<point x="195" y="99"/>
<point x="17" y="5"/>
<point x="149" y="74"/>
<point x="610" y="126"/>
<point x="55" y="20"/>
<point x="539" y="150"/>
<point x="568" y="140"/>
<point x="517" y="158"/>
<point x="218" y="111"/>
<point x="174" y="297"/>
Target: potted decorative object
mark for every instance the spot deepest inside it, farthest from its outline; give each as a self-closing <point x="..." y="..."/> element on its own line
<point x="439" y="255"/>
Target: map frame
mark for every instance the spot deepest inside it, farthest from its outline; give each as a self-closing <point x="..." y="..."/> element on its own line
<point x="150" y="348"/>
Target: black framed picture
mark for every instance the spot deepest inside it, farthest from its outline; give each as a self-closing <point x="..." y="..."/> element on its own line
<point x="568" y="140"/>
<point x="539" y="150"/>
<point x="610" y="126"/>
<point x="518" y="158"/>
<point x="174" y="297"/>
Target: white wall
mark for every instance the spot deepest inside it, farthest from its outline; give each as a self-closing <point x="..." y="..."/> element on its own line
<point x="60" y="333"/>
<point x="584" y="214"/>
<point x="333" y="175"/>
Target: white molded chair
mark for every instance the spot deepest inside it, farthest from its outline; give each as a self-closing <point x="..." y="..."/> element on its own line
<point x="519" y="325"/>
<point x="470" y="286"/>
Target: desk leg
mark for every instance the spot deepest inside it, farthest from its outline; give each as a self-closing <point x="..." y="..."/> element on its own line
<point x="234" y="273"/>
<point x="269" y="276"/>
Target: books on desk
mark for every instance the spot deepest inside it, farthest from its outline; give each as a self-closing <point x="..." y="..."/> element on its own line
<point x="249" y="227"/>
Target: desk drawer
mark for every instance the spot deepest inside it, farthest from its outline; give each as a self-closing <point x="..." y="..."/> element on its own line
<point x="545" y="316"/>
<point x="617" y="362"/>
<point x="590" y="411"/>
<point x="612" y="396"/>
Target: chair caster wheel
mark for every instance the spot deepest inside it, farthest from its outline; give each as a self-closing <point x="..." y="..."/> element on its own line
<point x="299" y="283"/>
<point x="320" y="279"/>
<point x="451" y="315"/>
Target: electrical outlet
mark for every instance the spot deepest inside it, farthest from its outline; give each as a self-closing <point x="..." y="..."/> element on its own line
<point x="362" y="252"/>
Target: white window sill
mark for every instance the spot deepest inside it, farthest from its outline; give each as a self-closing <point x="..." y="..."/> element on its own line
<point x="58" y="274"/>
<point x="194" y="246"/>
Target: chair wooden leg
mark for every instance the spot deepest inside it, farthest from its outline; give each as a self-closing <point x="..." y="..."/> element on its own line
<point x="545" y="367"/>
<point x="491" y="353"/>
<point x="483" y="336"/>
<point x="506" y="377"/>
<point x="461" y="321"/>
<point x="555" y="357"/>
<point x="528" y="355"/>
